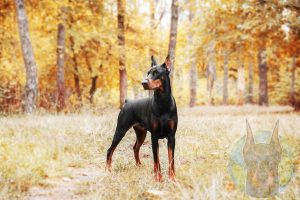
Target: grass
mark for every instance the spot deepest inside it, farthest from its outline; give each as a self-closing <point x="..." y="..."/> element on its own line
<point x="37" y="148"/>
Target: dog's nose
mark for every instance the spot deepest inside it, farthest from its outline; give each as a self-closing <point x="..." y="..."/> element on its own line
<point x="145" y="84"/>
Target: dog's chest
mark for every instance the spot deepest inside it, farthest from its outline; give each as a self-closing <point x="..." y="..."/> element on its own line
<point x="161" y="126"/>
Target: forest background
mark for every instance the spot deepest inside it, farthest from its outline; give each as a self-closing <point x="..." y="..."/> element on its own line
<point x="90" y="53"/>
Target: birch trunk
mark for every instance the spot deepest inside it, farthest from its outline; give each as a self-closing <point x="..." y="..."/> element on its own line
<point x="31" y="88"/>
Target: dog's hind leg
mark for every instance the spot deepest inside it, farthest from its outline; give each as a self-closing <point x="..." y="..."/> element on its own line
<point x="124" y="123"/>
<point x="141" y="133"/>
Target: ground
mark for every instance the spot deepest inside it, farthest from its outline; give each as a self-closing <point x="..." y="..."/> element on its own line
<point x="63" y="156"/>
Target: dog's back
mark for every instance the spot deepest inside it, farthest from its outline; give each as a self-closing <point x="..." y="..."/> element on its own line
<point x="137" y="111"/>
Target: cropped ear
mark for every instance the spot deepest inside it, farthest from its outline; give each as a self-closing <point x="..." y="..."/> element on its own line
<point x="168" y="63"/>
<point x="275" y="138"/>
<point x="249" y="138"/>
<point x="153" y="61"/>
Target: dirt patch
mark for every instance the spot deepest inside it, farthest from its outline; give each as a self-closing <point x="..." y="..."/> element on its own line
<point x="67" y="187"/>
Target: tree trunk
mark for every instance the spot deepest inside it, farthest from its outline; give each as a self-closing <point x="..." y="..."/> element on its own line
<point x="240" y="81"/>
<point x="122" y="57"/>
<point x="292" y="88"/>
<point x="262" y="67"/>
<point x="60" y="75"/>
<point x="75" y="72"/>
<point x="152" y="28"/>
<point x="173" y="33"/>
<point x="211" y="72"/>
<point x="225" y="78"/>
<point x="241" y="84"/>
<point x="193" y="84"/>
<point x="263" y="77"/>
<point x="250" y="77"/>
<point x="93" y="88"/>
<point x="152" y="35"/>
<point x="93" y="79"/>
<point x="31" y="88"/>
<point x="193" y="70"/>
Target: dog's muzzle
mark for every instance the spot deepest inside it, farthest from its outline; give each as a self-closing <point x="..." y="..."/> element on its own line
<point x="145" y="84"/>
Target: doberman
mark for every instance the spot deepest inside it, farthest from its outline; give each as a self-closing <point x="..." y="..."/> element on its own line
<point x="262" y="162"/>
<point x="156" y="114"/>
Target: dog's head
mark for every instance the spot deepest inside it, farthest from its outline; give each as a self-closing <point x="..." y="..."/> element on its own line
<point x="156" y="75"/>
<point x="262" y="162"/>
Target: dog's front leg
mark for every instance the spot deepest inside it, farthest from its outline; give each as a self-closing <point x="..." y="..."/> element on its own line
<point x="155" y="149"/>
<point x="171" y="148"/>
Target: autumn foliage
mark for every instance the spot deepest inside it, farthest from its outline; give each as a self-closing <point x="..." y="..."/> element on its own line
<point x="230" y="43"/>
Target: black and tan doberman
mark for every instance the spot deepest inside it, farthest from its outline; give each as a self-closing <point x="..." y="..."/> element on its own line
<point x="156" y="114"/>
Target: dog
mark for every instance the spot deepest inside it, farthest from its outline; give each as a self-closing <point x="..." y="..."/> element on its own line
<point x="262" y="162"/>
<point x="156" y="114"/>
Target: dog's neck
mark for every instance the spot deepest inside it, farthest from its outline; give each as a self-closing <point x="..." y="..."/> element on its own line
<point x="163" y="96"/>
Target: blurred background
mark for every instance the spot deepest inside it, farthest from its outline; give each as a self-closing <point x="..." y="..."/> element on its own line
<point x="76" y="52"/>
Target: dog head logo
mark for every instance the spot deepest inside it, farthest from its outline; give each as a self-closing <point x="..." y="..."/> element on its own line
<point x="261" y="161"/>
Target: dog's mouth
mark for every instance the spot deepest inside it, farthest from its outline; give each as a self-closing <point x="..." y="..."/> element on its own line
<point x="145" y="85"/>
<point x="151" y="84"/>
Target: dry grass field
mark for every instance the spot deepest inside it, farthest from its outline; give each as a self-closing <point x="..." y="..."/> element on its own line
<point x="63" y="156"/>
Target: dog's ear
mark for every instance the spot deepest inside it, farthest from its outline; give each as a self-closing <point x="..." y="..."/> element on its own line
<point x="275" y="138"/>
<point x="153" y="61"/>
<point x="249" y="138"/>
<point x="168" y="63"/>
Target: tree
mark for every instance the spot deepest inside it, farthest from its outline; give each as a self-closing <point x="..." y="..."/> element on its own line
<point x="263" y="77"/>
<point x="211" y="73"/>
<point x="122" y="57"/>
<point x="71" y="21"/>
<point x="294" y="101"/>
<point x="152" y="34"/>
<point x="262" y="63"/>
<point x="225" y="77"/>
<point x="250" y="79"/>
<point x="60" y="76"/>
<point x="173" y="33"/>
<point x="193" y="69"/>
<point x="240" y="80"/>
<point x="292" y="87"/>
<point x="94" y="77"/>
<point x="75" y="68"/>
<point x="31" y="88"/>
<point x="152" y="27"/>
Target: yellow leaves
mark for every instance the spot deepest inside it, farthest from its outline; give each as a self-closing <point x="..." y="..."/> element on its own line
<point x="229" y="186"/>
<point x="93" y="26"/>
